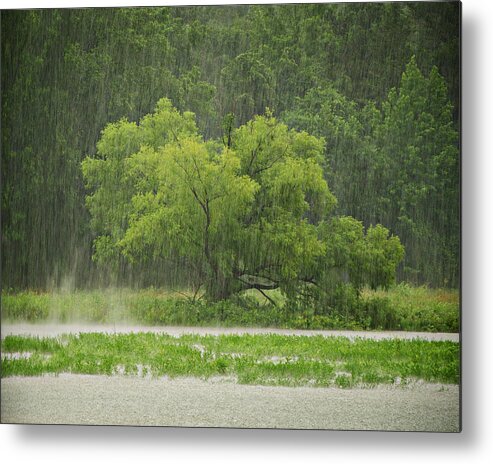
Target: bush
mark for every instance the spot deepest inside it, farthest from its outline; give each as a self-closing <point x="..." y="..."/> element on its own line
<point x="344" y="300"/>
<point x="379" y="314"/>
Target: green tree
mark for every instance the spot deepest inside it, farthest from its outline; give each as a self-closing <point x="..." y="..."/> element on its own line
<point x="249" y="215"/>
<point x="420" y="196"/>
<point x="397" y="165"/>
<point x="352" y="161"/>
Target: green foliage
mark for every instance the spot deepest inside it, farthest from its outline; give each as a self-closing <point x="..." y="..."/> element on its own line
<point x="419" y="308"/>
<point x="250" y="215"/>
<point x="251" y="359"/>
<point x="420" y="144"/>
<point x="325" y="68"/>
<point x="246" y="71"/>
<point x="364" y="259"/>
<point x="25" y="306"/>
<point x="379" y="313"/>
<point x="400" y="308"/>
<point x="397" y="165"/>
<point x="180" y="194"/>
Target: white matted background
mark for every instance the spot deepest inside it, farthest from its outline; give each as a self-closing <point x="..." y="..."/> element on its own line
<point x="59" y="444"/>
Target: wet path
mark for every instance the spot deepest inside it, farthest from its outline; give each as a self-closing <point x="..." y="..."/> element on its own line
<point x="120" y="400"/>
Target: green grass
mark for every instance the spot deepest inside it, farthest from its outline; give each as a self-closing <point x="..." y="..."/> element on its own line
<point x="101" y="306"/>
<point x="401" y="308"/>
<point x="250" y="359"/>
<point x="419" y="309"/>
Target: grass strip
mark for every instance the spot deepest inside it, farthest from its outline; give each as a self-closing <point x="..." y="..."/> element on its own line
<point x="401" y="308"/>
<point x="266" y="359"/>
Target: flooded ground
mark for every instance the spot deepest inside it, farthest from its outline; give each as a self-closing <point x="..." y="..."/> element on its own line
<point x="221" y="402"/>
<point x="120" y="400"/>
<point x="51" y="330"/>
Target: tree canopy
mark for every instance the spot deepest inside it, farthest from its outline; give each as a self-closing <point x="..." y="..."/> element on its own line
<point x="254" y="213"/>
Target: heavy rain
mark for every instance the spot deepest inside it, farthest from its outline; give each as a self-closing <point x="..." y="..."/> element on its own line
<point x="292" y="167"/>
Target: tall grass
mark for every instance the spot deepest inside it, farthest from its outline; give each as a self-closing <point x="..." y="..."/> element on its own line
<point x="415" y="308"/>
<point x="401" y="308"/>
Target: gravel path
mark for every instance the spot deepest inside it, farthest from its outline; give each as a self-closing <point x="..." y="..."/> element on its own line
<point x="120" y="400"/>
<point x="47" y="330"/>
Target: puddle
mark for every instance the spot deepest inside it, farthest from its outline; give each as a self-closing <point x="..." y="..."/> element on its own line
<point x="17" y="355"/>
<point x="280" y="359"/>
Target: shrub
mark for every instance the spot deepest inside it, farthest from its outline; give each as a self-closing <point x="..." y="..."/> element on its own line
<point x="379" y="314"/>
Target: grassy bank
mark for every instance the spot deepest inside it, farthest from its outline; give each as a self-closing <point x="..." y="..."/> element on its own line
<point x="250" y="359"/>
<point x="418" y="309"/>
<point x="401" y="308"/>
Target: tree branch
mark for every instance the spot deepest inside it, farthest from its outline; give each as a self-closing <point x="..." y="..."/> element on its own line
<point x="259" y="286"/>
<point x="267" y="296"/>
<point x="259" y="170"/>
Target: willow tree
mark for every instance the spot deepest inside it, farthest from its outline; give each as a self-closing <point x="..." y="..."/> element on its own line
<point x="252" y="213"/>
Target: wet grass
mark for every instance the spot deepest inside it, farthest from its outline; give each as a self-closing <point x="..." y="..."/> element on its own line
<point x="401" y="308"/>
<point x="249" y="359"/>
<point x="421" y="309"/>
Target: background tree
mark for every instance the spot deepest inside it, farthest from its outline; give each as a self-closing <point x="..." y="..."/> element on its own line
<point x="420" y="195"/>
<point x="397" y="165"/>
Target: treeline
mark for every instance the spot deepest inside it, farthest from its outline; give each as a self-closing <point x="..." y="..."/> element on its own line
<point x="335" y="70"/>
